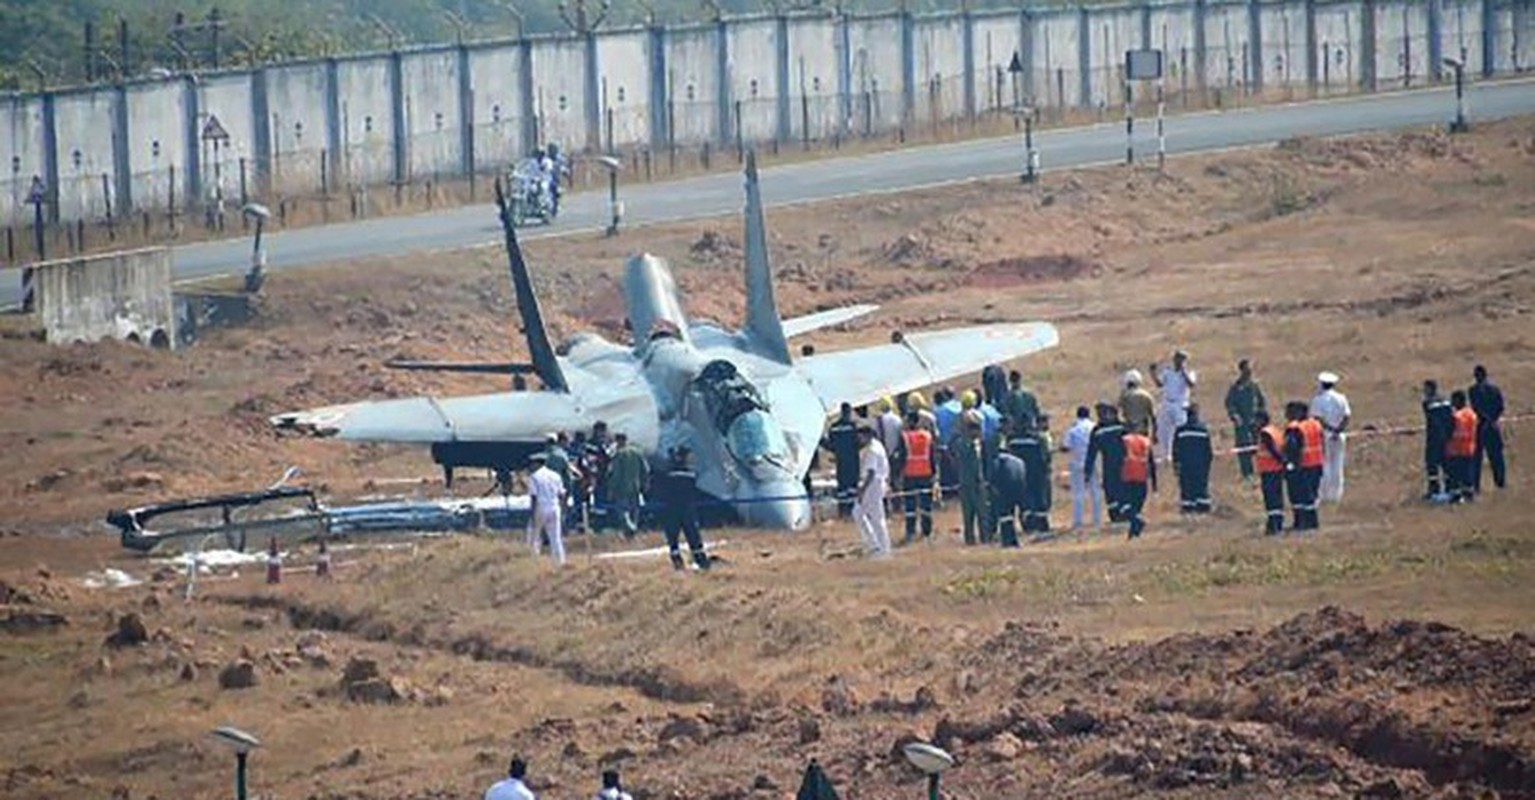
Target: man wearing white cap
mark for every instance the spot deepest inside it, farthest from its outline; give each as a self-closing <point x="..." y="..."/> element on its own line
<point x="546" y="494"/>
<point x="1177" y="383"/>
<point x="1330" y="406"/>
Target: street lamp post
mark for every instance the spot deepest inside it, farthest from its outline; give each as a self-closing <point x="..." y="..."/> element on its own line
<point x="932" y="761"/>
<point x="1459" y="124"/>
<point x="257" y="274"/>
<point x="242" y="744"/>
<point x="615" y="208"/>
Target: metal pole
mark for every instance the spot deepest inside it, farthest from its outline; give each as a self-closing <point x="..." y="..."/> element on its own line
<point x="932" y="787"/>
<point x="218" y="187"/>
<point x="1161" y="128"/>
<point x="1460" y="125"/>
<point x="613" y="201"/>
<point x="1031" y="164"/>
<point x="240" y="776"/>
<point x="1129" y="123"/>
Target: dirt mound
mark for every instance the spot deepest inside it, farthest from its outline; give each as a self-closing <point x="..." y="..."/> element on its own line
<point x="1009" y="272"/>
<point x="713" y="247"/>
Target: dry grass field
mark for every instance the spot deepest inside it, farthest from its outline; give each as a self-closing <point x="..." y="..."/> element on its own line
<point x="1387" y="655"/>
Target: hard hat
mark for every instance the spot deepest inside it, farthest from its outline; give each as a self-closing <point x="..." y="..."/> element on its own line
<point x="1133" y="377"/>
<point x="916" y="400"/>
<point x="1327" y="377"/>
<point x="967" y="400"/>
<point x="884" y="404"/>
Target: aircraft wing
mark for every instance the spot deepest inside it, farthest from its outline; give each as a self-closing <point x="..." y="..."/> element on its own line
<point x="920" y="359"/>
<point x="501" y="417"/>
<point x="799" y="326"/>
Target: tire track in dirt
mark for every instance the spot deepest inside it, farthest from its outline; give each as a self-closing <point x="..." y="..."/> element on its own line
<point x="656" y="682"/>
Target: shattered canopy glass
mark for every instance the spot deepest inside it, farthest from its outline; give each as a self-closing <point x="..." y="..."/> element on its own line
<point x="755" y="436"/>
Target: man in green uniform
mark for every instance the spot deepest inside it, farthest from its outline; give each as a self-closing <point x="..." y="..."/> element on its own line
<point x="968" y="458"/>
<point x="628" y="475"/>
<point x="1022" y="406"/>
<point x="1243" y="402"/>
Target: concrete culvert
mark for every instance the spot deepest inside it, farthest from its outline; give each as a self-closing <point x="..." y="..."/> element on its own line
<point x="133" y="338"/>
<point x="160" y="340"/>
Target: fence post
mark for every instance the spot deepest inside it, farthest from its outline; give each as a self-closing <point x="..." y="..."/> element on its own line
<point x="244" y="196"/>
<point x="106" y="198"/>
<point x="740" y="139"/>
<point x="171" y="194"/>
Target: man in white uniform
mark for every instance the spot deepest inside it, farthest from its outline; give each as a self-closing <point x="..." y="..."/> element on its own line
<point x="1075" y="443"/>
<point x="512" y="788"/>
<point x="1330" y="406"/>
<point x="1177" y="383"/>
<point x="869" y="506"/>
<point x="546" y="491"/>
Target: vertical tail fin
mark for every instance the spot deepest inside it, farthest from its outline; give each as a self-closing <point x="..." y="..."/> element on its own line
<point x="545" y="365"/>
<point x="763" y="325"/>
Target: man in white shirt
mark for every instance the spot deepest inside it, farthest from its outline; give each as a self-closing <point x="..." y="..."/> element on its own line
<point x="887" y="427"/>
<point x="1330" y="406"/>
<point x="546" y="491"/>
<point x="869" y="505"/>
<point x="512" y="788"/>
<point x="1075" y="443"/>
<point x="1177" y="383"/>
<point x="612" y="789"/>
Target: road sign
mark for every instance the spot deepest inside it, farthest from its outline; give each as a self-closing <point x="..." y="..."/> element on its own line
<point x="1143" y="65"/>
<point x="213" y="130"/>
<point x="1016" y="65"/>
<point x="38" y="194"/>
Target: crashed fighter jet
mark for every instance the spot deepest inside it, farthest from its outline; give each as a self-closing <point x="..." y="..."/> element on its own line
<point x="752" y="415"/>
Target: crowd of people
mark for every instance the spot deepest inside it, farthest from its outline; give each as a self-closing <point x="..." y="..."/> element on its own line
<point x="991" y="448"/>
<point x="574" y="473"/>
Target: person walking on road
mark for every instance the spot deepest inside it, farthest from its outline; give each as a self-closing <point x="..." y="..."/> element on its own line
<point x="679" y="499"/>
<point x="1177" y="383"/>
<point x="1137" y="474"/>
<point x="1107" y="443"/>
<point x="917" y="458"/>
<point x="1192" y="456"/>
<point x="1487" y="401"/>
<point x="1438" y="422"/>
<point x="869" y="507"/>
<point x="972" y="483"/>
<point x="1084" y="490"/>
<point x="842" y="441"/>
<point x="1269" y="459"/>
<point x="546" y="497"/>
<point x="1330" y="407"/>
<point x="1460" y="450"/>
<point x="1243" y="401"/>
<point x="628" y="475"/>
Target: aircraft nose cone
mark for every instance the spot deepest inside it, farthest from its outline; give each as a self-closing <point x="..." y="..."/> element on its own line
<point x="779" y="506"/>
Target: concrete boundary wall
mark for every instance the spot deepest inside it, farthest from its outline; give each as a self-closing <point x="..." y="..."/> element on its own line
<point x="124" y="295"/>
<point x="323" y="126"/>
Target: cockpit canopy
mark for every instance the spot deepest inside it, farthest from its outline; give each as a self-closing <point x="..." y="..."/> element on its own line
<point x="755" y="437"/>
<point x="740" y="414"/>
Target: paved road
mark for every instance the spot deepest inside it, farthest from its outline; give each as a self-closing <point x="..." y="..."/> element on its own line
<point x="829" y="178"/>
